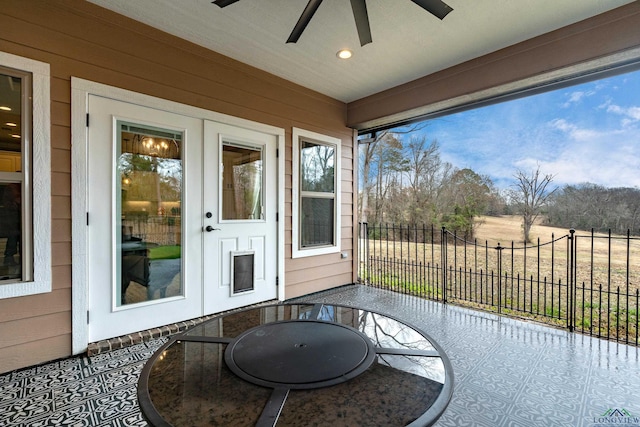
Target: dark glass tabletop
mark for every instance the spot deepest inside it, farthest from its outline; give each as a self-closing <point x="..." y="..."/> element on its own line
<point x="297" y="364"/>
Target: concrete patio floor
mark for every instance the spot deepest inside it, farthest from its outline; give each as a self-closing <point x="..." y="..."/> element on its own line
<point x="507" y="373"/>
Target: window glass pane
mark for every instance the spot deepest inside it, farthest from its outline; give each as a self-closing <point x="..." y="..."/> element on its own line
<point x="316" y="223"/>
<point x="316" y="184"/>
<point x="317" y="167"/>
<point x="10" y="123"/>
<point x="11" y="224"/>
<point x="10" y="230"/>
<point x="241" y="182"/>
<point x="149" y="172"/>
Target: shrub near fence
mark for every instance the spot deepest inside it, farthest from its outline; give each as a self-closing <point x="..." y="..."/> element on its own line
<point x="584" y="282"/>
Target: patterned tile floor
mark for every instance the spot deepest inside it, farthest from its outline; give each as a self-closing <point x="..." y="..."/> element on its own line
<point x="507" y="373"/>
<point x="77" y="392"/>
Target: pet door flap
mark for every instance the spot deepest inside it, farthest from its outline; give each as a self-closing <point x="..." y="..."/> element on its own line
<point x="242" y="272"/>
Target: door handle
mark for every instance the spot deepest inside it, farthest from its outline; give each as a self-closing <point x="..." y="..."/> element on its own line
<point x="210" y="228"/>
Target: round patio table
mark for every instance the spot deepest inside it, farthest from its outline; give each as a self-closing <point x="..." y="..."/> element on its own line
<point x="294" y="365"/>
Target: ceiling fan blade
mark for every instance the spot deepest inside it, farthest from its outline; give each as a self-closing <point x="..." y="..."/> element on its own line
<point x="223" y="3"/>
<point x="306" y="16"/>
<point x="362" y="21"/>
<point x="437" y="8"/>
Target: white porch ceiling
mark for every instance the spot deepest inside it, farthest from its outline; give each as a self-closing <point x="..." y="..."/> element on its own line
<point x="408" y="42"/>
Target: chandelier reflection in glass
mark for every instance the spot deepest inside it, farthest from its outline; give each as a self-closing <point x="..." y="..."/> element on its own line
<point x="155" y="146"/>
<point x="153" y="142"/>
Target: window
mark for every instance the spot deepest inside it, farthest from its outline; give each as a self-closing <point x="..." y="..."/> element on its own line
<point x="241" y="182"/>
<point x="25" y="226"/>
<point x="149" y="211"/>
<point x="316" y="188"/>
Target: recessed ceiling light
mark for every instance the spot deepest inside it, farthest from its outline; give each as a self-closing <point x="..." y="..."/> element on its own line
<point x="11" y="124"/>
<point x="15" y="135"/>
<point x="5" y="108"/>
<point x="344" y="54"/>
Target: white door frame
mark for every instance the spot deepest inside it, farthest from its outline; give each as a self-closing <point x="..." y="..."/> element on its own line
<point x="80" y="91"/>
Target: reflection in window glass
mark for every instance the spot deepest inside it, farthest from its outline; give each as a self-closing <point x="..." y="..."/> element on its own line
<point x="149" y="172"/>
<point x="317" y="195"/>
<point x="241" y="182"/>
<point x="316" y="222"/>
<point x="12" y="225"/>
<point x="317" y="167"/>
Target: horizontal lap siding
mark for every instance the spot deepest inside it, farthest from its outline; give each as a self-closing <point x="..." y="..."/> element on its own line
<point x="80" y="39"/>
<point x="35" y="352"/>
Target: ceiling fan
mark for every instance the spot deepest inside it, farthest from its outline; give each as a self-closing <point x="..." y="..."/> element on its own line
<point x="438" y="8"/>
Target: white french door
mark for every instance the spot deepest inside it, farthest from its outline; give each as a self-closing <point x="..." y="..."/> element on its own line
<point x="130" y="202"/>
<point x="240" y="204"/>
<point x="157" y="182"/>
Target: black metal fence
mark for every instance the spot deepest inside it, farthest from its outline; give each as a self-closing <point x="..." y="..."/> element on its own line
<point x="586" y="282"/>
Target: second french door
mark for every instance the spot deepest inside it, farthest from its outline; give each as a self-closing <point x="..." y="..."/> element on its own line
<point x="239" y="205"/>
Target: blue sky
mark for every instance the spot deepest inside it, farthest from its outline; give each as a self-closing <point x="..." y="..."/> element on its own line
<point x="584" y="133"/>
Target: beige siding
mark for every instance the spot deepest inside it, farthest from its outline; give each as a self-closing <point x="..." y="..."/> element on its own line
<point x="80" y="39"/>
<point x="34" y="352"/>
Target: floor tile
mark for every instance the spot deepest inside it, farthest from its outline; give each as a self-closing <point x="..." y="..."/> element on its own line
<point x="507" y="372"/>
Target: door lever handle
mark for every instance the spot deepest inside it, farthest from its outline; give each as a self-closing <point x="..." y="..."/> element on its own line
<point x="210" y="228"/>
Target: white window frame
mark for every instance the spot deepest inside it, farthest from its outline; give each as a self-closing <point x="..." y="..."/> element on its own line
<point x="37" y="176"/>
<point x="297" y="251"/>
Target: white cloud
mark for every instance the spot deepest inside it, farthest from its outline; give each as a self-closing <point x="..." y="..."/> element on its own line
<point x="562" y="124"/>
<point x="630" y="115"/>
<point x="610" y="157"/>
<point x="611" y="160"/>
<point x="575" y="132"/>
<point x="634" y="113"/>
<point x="577" y="96"/>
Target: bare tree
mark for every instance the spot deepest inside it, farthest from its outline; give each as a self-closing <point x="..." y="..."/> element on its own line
<point x="530" y="195"/>
<point x="588" y="206"/>
<point x="423" y="161"/>
<point x="368" y="177"/>
<point x="374" y="154"/>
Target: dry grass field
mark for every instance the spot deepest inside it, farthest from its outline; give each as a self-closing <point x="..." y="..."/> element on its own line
<point x="507" y="228"/>
<point x="611" y="263"/>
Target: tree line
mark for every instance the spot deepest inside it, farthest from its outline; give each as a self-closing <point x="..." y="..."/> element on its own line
<point x="408" y="182"/>
<point x="403" y="180"/>
<point x="590" y="206"/>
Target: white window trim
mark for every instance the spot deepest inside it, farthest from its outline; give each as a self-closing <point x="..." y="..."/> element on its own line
<point x="40" y="178"/>
<point x="298" y="252"/>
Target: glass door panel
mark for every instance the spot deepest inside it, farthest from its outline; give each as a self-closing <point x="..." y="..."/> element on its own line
<point x="148" y="213"/>
<point x="241" y="182"/>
